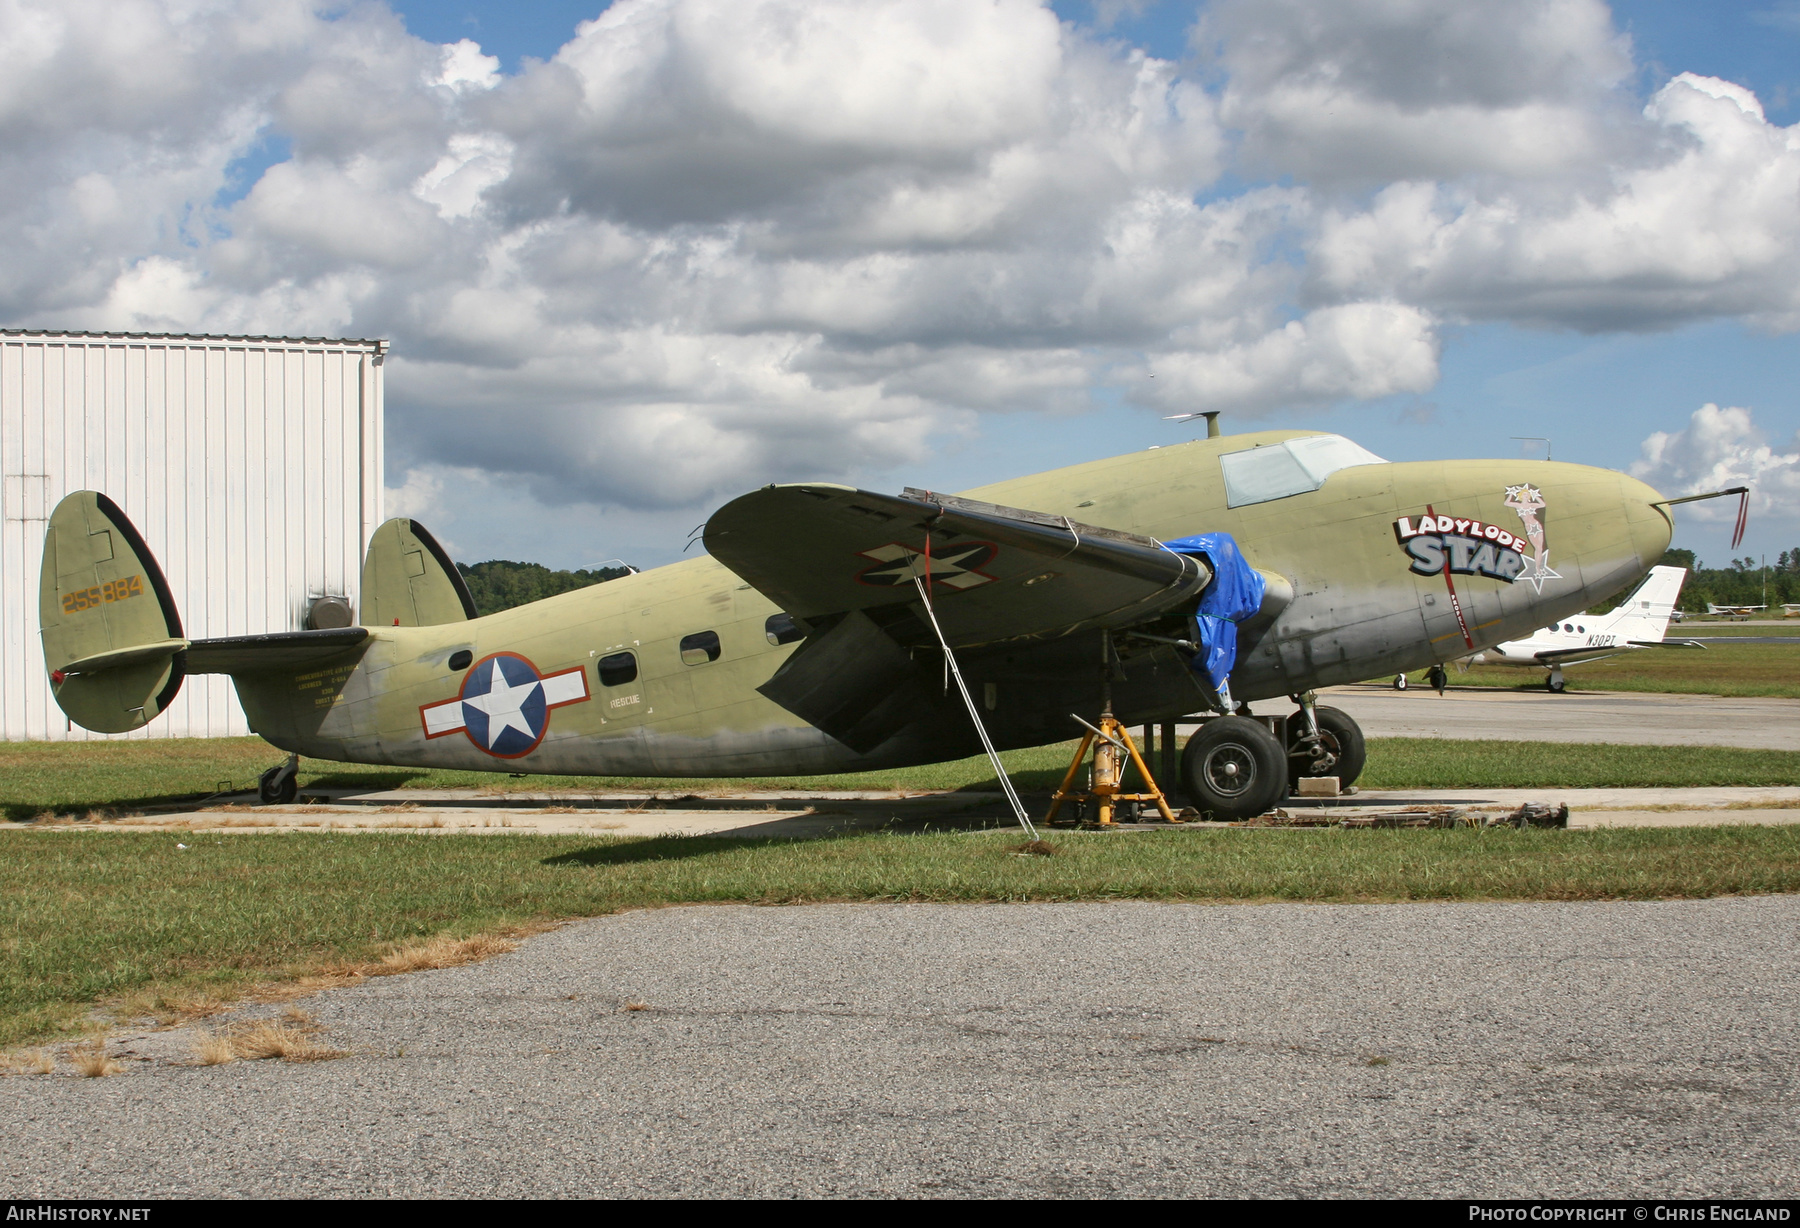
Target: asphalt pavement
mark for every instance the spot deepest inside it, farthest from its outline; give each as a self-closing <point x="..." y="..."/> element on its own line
<point x="1627" y="717"/>
<point x="1105" y="1049"/>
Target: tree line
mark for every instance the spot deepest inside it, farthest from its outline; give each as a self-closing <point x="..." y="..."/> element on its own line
<point x="1741" y="582"/>
<point x="501" y="584"/>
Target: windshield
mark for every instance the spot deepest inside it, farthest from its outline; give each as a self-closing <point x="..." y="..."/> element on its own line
<point x="1293" y="467"/>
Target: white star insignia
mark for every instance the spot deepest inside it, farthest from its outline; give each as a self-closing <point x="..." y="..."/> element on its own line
<point x="502" y="704"/>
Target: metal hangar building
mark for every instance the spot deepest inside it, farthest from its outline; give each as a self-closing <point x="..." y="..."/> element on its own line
<point x="251" y="465"/>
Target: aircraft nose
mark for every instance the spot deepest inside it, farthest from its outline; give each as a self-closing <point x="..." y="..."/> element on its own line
<point x="1648" y="524"/>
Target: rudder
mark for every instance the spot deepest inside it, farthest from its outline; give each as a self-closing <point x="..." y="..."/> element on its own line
<point x="111" y="635"/>
<point x="408" y="580"/>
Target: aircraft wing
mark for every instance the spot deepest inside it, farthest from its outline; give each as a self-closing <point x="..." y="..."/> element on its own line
<point x="996" y="573"/>
<point x="1575" y="656"/>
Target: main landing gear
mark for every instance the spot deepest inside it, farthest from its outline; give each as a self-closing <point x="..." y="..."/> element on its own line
<point x="280" y="784"/>
<point x="1325" y="742"/>
<point x="1555" y="683"/>
<point x="1237" y="767"/>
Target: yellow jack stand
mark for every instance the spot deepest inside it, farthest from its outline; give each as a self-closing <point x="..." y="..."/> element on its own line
<point x="1111" y="743"/>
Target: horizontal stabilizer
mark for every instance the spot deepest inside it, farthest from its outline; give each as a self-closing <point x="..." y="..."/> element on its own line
<point x="249" y="654"/>
<point x="122" y="658"/>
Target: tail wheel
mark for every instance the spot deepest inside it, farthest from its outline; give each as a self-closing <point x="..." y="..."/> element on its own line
<point x="278" y="786"/>
<point x="1233" y="768"/>
<point x="1399" y="682"/>
<point x="1339" y="737"/>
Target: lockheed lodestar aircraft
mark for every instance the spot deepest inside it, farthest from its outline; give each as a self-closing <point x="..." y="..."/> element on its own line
<point x="821" y="634"/>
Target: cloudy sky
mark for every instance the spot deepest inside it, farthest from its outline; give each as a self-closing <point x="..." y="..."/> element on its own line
<point x="636" y="259"/>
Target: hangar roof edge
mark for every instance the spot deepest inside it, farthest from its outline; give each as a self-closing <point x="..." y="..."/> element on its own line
<point x="375" y="343"/>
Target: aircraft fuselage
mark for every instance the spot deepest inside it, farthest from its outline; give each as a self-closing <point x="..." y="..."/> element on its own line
<point x="1391" y="567"/>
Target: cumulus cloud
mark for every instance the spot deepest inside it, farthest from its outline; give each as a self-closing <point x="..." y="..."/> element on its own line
<point x="1370" y="91"/>
<point x="1708" y="227"/>
<point x="712" y="243"/>
<point x="1364" y="350"/>
<point x="1720" y="448"/>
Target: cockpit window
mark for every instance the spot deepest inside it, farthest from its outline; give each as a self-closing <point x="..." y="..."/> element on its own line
<point x="1293" y="467"/>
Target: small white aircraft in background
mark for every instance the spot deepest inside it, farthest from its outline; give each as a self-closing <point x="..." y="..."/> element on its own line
<point x="1639" y="622"/>
<point x="1733" y="611"/>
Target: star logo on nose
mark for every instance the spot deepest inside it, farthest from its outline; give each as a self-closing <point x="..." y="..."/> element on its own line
<point x="505" y="704"/>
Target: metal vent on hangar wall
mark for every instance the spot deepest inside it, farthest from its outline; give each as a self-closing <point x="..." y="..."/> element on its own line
<point x="327" y="613"/>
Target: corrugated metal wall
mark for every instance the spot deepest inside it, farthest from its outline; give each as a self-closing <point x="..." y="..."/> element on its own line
<point x="251" y="465"/>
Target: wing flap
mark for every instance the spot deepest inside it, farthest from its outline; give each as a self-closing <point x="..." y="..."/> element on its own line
<point x="996" y="573"/>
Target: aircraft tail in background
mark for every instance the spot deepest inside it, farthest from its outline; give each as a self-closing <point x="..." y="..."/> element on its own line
<point x="1644" y="616"/>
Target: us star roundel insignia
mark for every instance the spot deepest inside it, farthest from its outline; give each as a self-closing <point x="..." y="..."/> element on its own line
<point x="957" y="567"/>
<point x="504" y="705"/>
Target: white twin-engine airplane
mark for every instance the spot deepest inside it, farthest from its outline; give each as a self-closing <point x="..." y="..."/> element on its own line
<point x="1639" y="622"/>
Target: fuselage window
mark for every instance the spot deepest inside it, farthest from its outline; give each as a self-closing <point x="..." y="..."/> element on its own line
<point x="699" y="648"/>
<point x="780" y="629"/>
<point x="618" y="669"/>
<point x="461" y="659"/>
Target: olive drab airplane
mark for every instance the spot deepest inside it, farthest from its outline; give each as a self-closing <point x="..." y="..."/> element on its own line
<point x="803" y="645"/>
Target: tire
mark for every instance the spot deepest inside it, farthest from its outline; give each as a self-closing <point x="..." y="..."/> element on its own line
<point x="1399" y="682"/>
<point x="1555" y="685"/>
<point x="1233" y="768"/>
<point x="278" y="786"/>
<point x="1341" y="736"/>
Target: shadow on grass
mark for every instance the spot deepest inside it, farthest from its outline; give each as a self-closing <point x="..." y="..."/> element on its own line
<point x="24" y="812"/>
<point x="663" y="848"/>
<point x="397" y="778"/>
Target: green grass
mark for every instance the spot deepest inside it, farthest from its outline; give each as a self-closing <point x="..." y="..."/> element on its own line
<point x="1413" y="763"/>
<point x="75" y="777"/>
<point x="1749" y="670"/>
<point x="90" y="917"/>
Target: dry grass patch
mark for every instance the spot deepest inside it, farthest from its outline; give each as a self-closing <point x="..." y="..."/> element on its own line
<point x="294" y="1037"/>
<point x="440" y="952"/>
<point x="91" y="1061"/>
<point x="37" y="1061"/>
<point x="212" y="1049"/>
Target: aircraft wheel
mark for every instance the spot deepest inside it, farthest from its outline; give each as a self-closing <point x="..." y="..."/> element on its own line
<point x="1555" y="685"/>
<point x="1341" y="737"/>
<point x="1233" y="768"/>
<point x="1399" y="682"/>
<point x="278" y="786"/>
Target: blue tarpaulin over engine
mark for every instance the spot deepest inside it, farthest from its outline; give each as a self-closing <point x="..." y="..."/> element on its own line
<point x="1236" y="592"/>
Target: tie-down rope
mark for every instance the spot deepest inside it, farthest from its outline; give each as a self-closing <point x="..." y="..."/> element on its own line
<point x="1012" y="794"/>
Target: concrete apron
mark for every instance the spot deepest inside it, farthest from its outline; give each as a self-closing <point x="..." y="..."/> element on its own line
<point x="811" y="814"/>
